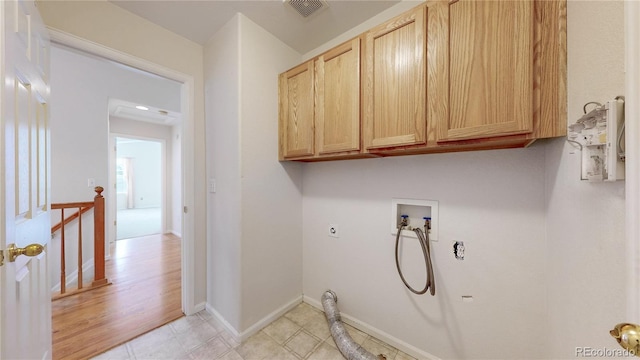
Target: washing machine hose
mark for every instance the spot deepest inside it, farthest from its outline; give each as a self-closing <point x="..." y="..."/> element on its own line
<point x="423" y="239"/>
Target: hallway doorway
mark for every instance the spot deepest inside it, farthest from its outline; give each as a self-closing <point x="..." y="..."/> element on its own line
<point x="84" y="127"/>
<point x="182" y="176"/>
<point x="139" y="187"/>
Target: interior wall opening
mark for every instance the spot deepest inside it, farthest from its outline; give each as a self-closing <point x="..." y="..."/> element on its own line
<point x="139" y="187"/>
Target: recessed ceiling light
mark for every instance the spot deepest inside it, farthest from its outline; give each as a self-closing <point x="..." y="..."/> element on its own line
<point x="140" y="107"/>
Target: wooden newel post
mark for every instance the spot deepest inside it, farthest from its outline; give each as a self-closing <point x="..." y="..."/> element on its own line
<point x="98" y="248"/>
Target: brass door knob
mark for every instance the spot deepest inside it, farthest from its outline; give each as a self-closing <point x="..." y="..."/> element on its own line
<point x="29" y="250"/>
<point x="628" y="336"/>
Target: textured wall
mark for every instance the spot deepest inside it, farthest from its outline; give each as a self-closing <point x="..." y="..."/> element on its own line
<point x="585" y="221"/>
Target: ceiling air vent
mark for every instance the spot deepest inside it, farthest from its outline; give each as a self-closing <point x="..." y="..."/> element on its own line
<point x="306" y="8"/>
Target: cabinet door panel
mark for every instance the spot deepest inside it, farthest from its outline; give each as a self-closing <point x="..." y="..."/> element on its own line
<point x="297" y="111"/>
<point x="338" y="99"/>
<point x="395" y="90"/>
<point x="490" y="63"/>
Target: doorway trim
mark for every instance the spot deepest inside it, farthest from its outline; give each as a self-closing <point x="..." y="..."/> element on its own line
<point x="187" y="108"/>
<point x="632" y="150"/>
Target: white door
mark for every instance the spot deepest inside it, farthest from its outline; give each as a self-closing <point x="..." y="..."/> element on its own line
<point x="25" y="294"/>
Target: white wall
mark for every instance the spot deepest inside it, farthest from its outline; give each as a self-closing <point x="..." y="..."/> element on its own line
<point x="81" y="88"/>
<point x="585" y="221"/>
<point x="255" y="221"/>
<point x="146" y="157"/>
<point x="107" y="25"/>
<point x="271" y="191"/>
<point x="222" y="90"/>
<point x="536" y="260"/>
<point x="491" y="200"/>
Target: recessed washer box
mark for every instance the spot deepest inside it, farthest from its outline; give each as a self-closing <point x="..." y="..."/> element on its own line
<point x="416" y="209"/>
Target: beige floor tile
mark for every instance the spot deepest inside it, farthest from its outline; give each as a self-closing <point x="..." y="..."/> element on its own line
<point x="302" y="314"/>
<point x="282" y="354"/>
<point x="378" y="347"/>
<point x="281" y="330"/>
<point x="229" y="339"/>
<point x="169" y="349"/>
<point x="215" y="324"/>
<point x="184" y="323"/>
<point x="205" y="315"/>
<point x="231" y="355"/>
<point x="147" y="342"/>
<point x="358" y="336"/>
<point x="403" y="356"/>
<point x="303" y="331"/>
<point x="302" y="343"/>
<point x="196" y="335"/>
<point x="210" y="350"/>
<point x="326" y="352"/>
<point x="331" y="343"/>
<point x="117" y="353"/>
<point x="259" y="346"/>
<point x="317" y="325"/>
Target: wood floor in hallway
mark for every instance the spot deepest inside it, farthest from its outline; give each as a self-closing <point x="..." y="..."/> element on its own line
<point x="145" y="293"/>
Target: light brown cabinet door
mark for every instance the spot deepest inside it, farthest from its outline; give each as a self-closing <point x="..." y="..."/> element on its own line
<point x="394" y="88"/>
<point x="338" y="99"/>
<point x="296" y="112"/>
<point x="490" y="67"/>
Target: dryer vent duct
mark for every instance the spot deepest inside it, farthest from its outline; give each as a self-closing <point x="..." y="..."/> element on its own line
<point x="307" y="8"/>
<point x="349" y="348"/>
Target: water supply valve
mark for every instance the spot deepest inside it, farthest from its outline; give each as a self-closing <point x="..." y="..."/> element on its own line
<point x="405" y="220"/>
<point x="427" y="222"/>
<point x="414" y="214"/>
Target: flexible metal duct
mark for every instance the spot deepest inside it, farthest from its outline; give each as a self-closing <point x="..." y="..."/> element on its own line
<point x="349" y="348"/>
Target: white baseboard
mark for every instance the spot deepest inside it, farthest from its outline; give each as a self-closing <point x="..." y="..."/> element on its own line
<point x="72" y="279"/>
<point x="379" y="334"/>
<point x="270" y="318"/>
<point x="199" y="307"/>
<point x="175" y="233"/>
<point x="230" y="329"/>
<point x="240" y="337"/>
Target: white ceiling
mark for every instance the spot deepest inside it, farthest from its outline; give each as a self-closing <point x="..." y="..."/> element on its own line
<point x="199" y="20"/>
<point x="130" y="111"/>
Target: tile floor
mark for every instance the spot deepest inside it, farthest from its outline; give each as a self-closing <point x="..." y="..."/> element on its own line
<point x="302" y="333"/>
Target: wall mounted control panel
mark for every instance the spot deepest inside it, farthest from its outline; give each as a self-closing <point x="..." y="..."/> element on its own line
<point x="416" y="210"/>
<point x="600" y="136"/>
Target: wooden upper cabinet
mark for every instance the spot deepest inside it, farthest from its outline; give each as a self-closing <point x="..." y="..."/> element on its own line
<point x="296" y="94"/>
<point x="338" y="99"/>
<point x="394" y="94"/>
<point x="489" y="54"/>
<point x="448" y="75"/>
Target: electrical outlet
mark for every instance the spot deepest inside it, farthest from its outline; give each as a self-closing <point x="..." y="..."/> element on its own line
<point x="91" y="182"/>
<point x="333" y="230"/>
<point x="212" y="185"/>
